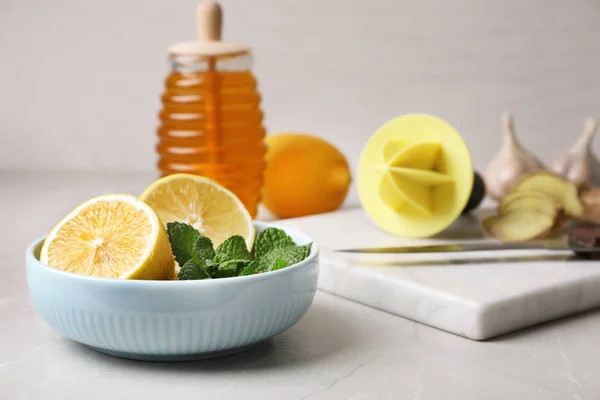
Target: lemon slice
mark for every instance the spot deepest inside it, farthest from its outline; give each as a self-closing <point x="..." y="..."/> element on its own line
<point x="210" y="208"/>
<point x="111" y="236"/>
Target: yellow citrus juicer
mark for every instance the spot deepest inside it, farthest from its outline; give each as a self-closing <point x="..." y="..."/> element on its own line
<point x="415" y="176"/>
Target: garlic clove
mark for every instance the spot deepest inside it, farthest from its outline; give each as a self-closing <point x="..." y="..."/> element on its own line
<point x="509" y="164"/>
<point x="594" y="173"/>
<point x="579" y="164"/>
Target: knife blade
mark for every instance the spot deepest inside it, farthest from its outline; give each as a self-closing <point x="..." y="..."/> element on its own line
<point x="455" y="248"/>
<point x="583" y="241"/>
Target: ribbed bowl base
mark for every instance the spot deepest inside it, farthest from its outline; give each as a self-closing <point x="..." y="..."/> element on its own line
<point x="174" y="357"/>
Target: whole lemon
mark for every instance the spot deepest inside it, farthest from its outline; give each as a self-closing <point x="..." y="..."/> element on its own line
<point x="304" y="175"/>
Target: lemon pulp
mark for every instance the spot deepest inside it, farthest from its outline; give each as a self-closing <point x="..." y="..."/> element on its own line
<point x="111" y="236"/>
<point x="202" y="203"/>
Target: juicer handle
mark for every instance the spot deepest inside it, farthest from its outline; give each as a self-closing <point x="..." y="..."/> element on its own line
<point x="209" y="19"/>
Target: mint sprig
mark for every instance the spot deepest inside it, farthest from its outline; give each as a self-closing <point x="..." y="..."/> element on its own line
<point x="273" y="250"/>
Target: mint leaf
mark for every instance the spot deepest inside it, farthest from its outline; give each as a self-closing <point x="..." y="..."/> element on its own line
<point x="233" y="248"/>
<point x="211" y="267"/>
<point x="204" y="248"/>
<point x="279" y="264"/>
<point x="231" y="268"/>
<point x="183" y="239"/>
<point x="192" y="271"/>
<point x="249" y="269"/>
<point x="290" y="254"/>
<point x="306" y="248"/>
<point x="228" y="272"/>
<point x="271" y="239"/>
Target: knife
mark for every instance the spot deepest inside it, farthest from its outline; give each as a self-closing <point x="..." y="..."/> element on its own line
<point x="584" y="242"/>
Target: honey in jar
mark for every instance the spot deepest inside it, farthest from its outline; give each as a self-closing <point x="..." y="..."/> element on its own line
<point x="211" y="123"/>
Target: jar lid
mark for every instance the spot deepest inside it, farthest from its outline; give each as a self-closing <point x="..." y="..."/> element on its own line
<point x="209" y="20"/>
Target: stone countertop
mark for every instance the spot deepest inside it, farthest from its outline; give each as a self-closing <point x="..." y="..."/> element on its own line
<point x="339" y="350"/>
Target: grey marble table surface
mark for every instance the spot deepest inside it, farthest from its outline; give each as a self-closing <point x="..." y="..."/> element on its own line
<point x="339" y="350"/>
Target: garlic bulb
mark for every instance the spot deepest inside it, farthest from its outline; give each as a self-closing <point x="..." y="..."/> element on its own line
<point x="579" y="164"/>
<point x="509" y="164"/>
<point x="591" y="205"/>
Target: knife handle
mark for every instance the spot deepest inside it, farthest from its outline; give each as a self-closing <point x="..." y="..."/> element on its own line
<point x="585" y="236"/>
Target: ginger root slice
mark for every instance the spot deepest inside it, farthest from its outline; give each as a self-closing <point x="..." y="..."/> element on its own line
<point x="519" y="226"/>
<point x="561" y="190"/>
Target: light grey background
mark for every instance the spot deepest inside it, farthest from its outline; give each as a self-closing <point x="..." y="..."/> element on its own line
<point x="80" y="81"/>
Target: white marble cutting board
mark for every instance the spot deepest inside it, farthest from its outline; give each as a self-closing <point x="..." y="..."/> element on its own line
<point x="475" y="295"/>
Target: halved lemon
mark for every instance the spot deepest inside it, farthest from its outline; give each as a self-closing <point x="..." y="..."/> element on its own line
<point x="111" y="236"/>
<point x="201" y="202"/>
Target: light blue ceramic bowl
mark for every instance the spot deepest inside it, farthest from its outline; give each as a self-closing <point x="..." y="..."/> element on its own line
<point x="173" y="320"/>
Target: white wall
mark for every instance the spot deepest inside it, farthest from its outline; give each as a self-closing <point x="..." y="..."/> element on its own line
<point x="80" y="80"/>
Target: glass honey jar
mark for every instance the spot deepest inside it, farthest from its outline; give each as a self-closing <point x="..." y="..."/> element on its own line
<point x="211" y="123"/>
